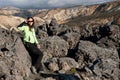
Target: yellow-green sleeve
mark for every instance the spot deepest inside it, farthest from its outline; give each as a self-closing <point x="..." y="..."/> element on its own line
<point x="21" y="28"/>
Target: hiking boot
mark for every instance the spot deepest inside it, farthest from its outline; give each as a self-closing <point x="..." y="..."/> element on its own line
<point x="33" y="70"/>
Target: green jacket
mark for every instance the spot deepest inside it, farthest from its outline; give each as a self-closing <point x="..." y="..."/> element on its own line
<point x="28" y="36"/>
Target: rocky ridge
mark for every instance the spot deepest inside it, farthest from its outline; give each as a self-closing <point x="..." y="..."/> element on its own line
<point x="87" y="49"/>
<point x="92" y="53"/>
<point x="62" y="14"/>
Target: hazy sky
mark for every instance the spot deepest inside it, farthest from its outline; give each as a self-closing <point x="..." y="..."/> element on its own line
<point x="47" y="3"/>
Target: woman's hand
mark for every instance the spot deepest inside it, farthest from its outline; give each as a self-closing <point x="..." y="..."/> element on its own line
<point x="38" y="46"/>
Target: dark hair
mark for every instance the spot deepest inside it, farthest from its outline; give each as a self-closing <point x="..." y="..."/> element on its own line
<point x="30" y="26"/>
<point x="30" y="18"/>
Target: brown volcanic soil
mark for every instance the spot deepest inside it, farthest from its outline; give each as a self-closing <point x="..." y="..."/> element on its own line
<point x="10" y="21"/>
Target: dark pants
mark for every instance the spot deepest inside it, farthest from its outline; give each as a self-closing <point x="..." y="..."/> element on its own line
<point x="36" y="55"/>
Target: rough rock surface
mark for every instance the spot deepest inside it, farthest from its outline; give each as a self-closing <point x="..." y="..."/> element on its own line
<point x="104" y="62"/>
<point x="54" y="45"/>
<point x="15" y="61"/>
<point x="87" y="47"/>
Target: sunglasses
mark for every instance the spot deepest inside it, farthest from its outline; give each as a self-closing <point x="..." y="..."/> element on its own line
<point x="30" y="21"/>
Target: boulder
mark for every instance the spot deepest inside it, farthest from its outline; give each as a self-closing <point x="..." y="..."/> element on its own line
<point x="54" y="45"/>
<point x="72" y="39"/>
<point x="61" y="64"/>
<point x="111" y="40"/>
<point x="15" y="60"/>
<point x="102" y="62"/>
<point x="67" y="63"/>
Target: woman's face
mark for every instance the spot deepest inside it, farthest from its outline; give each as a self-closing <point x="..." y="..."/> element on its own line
<point x="30" y="22"/>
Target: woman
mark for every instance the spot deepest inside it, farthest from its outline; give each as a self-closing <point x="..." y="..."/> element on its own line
<point x="31" y="43"/>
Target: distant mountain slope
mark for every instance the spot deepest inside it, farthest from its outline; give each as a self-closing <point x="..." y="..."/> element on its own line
<point x="109" y="12"/>
<point x="64" y="14"/>
<point x="72" y="15"/>
<point x="10" y="21"/>
<point x="14" y="11"/>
